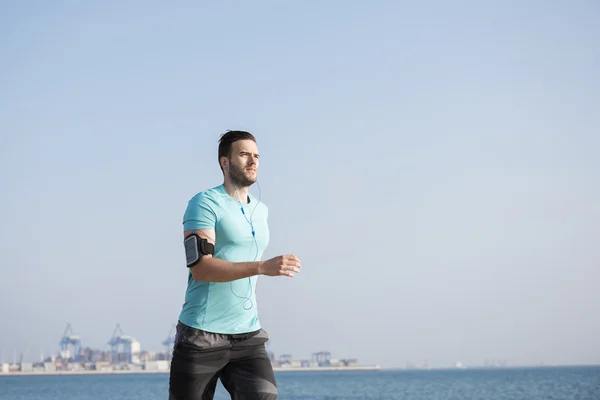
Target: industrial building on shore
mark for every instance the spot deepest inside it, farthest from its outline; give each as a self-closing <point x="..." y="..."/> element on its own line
<point x="124" y="353"/>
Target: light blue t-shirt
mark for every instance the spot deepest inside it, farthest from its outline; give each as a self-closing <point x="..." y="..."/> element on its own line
<point x="226" y="307"/>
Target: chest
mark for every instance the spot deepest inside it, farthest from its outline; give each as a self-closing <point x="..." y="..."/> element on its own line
<point x="235" y="228"/>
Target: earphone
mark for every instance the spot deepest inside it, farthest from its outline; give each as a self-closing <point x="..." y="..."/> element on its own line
<point x="246" y="298"/>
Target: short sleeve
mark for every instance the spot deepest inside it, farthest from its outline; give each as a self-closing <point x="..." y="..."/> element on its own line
<point x="199" y="214"/>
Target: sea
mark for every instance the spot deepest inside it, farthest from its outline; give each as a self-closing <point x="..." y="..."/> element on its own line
<point x="547" y="383"/>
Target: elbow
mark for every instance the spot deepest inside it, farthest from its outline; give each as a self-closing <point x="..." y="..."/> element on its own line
<point x="198" y="273"/>
<point x="201" y="271"/>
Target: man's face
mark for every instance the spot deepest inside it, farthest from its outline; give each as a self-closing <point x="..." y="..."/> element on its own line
<point x="243" y="163"/>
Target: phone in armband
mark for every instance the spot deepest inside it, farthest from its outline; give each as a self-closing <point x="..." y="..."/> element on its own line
<point x="195" y="248"/>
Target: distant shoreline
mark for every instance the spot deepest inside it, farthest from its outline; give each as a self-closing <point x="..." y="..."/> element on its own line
<point x="301" y="369"/>
<point x="166" y="371"/>
<point x="348" y="368"/>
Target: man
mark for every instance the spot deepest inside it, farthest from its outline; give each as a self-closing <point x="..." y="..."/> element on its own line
<point x="219" y="335"/>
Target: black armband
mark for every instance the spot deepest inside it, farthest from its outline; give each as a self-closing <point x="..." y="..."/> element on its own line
<point x="195" y="248"/>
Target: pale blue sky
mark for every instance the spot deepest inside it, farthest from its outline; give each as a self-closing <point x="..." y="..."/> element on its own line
<point x="434" y="165"/>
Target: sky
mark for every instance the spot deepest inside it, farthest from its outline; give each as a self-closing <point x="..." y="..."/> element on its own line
<point x="434" y="166"/>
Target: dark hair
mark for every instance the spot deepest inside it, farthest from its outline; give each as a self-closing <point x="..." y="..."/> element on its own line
<point x="228" y="138"/>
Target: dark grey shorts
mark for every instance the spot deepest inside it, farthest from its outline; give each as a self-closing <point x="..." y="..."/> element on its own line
<point x="240" y="361"/>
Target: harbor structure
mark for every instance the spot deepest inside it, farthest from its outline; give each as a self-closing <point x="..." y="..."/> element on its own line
<point x="125" y="354"/>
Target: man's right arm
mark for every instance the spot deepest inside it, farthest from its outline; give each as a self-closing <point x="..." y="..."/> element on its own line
<point x="213" y="269"/>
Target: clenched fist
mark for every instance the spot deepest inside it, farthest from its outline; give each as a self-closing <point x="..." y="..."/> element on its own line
<point x="286" y="265"/>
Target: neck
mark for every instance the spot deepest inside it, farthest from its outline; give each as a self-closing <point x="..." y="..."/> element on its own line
<point x="239" y="193"/>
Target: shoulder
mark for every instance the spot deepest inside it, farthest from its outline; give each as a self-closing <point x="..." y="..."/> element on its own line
<point x="209" y="200"/>
<point x="208" y="197"/>
<point x="203" y="209"/>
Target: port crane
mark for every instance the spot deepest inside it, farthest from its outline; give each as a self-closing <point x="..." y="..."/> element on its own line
<point x="70" y="341"/>
<point x="117" y="341"/>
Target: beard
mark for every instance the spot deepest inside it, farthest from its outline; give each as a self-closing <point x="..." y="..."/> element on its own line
<point x="239" y="178"/>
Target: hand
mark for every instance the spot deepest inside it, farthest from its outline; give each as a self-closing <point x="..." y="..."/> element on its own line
<point x="286" y="265"/>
